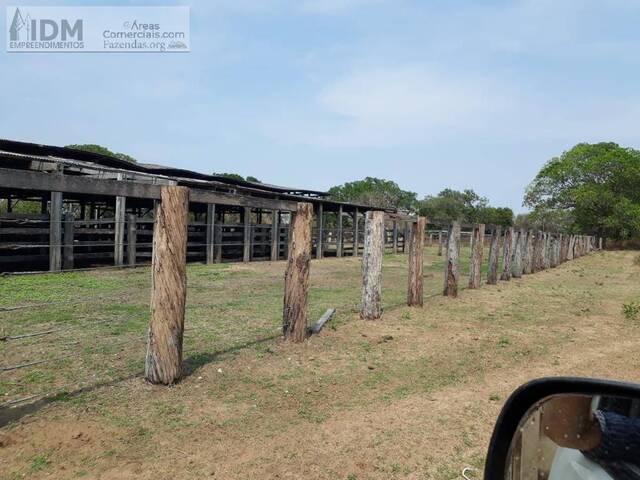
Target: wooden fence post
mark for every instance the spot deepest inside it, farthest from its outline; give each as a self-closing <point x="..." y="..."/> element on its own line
<point x="416" y="256"/>
<point x="320" y="231"/>
<point x="527" y="253"/>
<point x="67" y="254"/>
<point x="371" y="308"/>
<point x="440" y="241"/>
<point x="296" y="277"/>
<point x="477" y="252"/>
<point x="168" y="287"/>
<point x="519" y="247"/>
<point x="600" y="243"/>
<point x="494" y="251"/>
<point x="55" y="231"/>
<point x="132" y="238"/>
<point x="395" y="237"/>
<point x="451" y="267"/>
<point x="507" y="249"/>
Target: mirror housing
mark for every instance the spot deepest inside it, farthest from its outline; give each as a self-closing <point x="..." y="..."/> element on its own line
<point x="528" y="395"/>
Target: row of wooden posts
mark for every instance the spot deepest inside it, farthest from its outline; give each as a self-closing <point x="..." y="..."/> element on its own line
<point x="522" y="252"/>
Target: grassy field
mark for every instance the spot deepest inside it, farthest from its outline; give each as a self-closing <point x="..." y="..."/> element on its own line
<point x="411" y="396"/>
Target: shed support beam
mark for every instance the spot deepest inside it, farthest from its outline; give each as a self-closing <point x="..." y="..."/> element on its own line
<point x="118" y="252"/>
<point x="339" y="236"/>
<point x="356" y="233"/>
<point x="67" y="257"/>
<point x="132" y="238"/>
<point x="246" y="257"/>
<point x="55" y="231"/>
<point x="275" y="235"/>
<point x="211" y="233"/>
<point x="320" y="227"/>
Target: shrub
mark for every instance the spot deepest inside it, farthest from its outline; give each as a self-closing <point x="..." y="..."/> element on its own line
<point x="631" y="310"/>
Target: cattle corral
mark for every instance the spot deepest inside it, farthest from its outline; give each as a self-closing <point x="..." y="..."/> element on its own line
<point x="71" y="335"/>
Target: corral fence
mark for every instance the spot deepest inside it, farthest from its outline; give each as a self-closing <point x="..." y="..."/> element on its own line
<point x="512" y="253"/>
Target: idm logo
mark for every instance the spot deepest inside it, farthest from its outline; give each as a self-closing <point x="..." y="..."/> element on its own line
<point x="25" y="28"/>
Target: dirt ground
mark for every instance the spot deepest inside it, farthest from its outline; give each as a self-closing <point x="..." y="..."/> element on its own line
<point x="411" y="396"/>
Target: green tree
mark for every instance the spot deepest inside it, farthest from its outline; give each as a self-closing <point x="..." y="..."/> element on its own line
<point x="594" y="185"/>
<point x="93" y="148"/>
<point x="452" y="204"/>
<point x="375" y="192"/>
<point x="236" y="176"/>
<point x="502" y="216"/>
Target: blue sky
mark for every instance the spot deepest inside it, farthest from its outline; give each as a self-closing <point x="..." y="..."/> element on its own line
<point x="314" y="93"/>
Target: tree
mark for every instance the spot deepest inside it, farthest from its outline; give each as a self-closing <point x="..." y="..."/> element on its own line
<point x="93" y="148"/>
<point x="452" y="205"/>
<point x="593" y="185"/>
<point x="502" y="216"/>
<point x="236" y="176"/>
<point x="375" y="192"/>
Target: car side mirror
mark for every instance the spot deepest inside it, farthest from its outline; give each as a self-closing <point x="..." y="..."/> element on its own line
<point x="567" y="429"/>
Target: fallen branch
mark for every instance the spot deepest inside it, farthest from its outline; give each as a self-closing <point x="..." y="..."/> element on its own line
<point x="323" y="319"/>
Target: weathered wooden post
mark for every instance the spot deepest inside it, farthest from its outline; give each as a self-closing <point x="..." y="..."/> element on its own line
<point x="210" y="233"/>
<point x="296" y="277"/>
<point x="275" y="235"/>
<point x="320" y="229"/>
<point x="132" y="238"/>
<point x="394" y="246"/>
<point x="519" y="246"/>
<point x="477" y="251"/>
<point x="416" y="255"/>
<point x="451" y="268"/>
<point x="507" y="249"/>
<point x="371" y="308"/>
<point x="339" y="234"/>
<point x="440" y="241"/>
<point x="356" y="232"/>
<point x="247" y="234"/>
<point x="67" y="254"/>
<point x="570" y="247"/>
<point x="119" y="226"/>
<point x="168" y="287"/>
<point x="527" y="253"/>
<point x="600" y="243"/>
<point x="494" y="252"/>
<point x="55" y="231"/>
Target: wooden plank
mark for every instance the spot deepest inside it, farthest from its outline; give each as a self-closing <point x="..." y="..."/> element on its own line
<point x="67" y="253"/>
<point x="210" y="237"/>
<point x="371" y="308"/>
<point x="30" y="180"/>
<point x="296" y="278"/>
<point x="55" y="232"/>
<point x="132" y="239"/>
<point x="326" y="316"/>
<point x="275" y="245"/>
<point x="415" y="287"/>
<point x="477" y="251"/>
<point x="169" y="287"/>
<point x="451" y="267"/>
<point x="246" y="242"/>
<point x="119" y="226"/>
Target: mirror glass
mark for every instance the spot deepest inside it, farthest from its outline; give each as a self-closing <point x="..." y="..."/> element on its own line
<point x="577" y="437"/>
